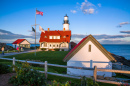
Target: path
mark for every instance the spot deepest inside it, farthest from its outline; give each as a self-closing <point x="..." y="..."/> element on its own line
<point x="15" y="53"/>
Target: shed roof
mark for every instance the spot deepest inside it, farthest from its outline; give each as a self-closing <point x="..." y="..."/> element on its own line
<point x="18" y="41"/>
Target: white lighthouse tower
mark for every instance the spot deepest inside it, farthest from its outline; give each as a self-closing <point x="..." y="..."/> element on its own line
<point x="66" y="23"/>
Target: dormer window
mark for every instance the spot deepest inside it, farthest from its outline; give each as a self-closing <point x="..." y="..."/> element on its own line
<point x="67" y="35"/>
<point x="45" y="36"/>
<point x="64" y="36"/>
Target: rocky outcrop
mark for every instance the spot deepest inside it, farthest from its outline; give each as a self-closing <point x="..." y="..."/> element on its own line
<point x="121" y="59"/>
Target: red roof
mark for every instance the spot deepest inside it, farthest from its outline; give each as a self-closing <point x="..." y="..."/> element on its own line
<point x="67" y="35"/>
<point x="18" y="41"/>
<point x="75" y="47"/>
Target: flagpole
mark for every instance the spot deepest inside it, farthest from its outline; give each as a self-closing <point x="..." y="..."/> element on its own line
<point x="35" y="32"/>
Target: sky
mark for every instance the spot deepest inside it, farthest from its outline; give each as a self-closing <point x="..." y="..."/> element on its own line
<point x="107" y="20"/>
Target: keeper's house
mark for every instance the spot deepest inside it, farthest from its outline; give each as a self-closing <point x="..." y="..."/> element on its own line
<point x="89" y="53"/>
<point x="57" y="39"/>
<point x="21" y="43"/>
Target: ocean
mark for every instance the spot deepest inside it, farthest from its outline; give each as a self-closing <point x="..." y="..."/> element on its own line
<point x="118" y="49"/>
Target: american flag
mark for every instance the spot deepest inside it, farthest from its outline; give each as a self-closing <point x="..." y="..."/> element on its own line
<point x="39" y="12"/>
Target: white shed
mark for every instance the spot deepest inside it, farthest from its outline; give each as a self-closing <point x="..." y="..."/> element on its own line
<point x="89" y="53"/>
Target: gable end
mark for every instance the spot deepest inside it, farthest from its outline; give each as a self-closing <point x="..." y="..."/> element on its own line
<point x="96" y="43"/>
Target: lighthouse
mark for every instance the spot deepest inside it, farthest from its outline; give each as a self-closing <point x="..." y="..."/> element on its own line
<point x="66" y="23"/>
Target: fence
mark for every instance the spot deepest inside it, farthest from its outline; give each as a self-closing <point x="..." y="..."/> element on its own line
<point x="95" y="69"/>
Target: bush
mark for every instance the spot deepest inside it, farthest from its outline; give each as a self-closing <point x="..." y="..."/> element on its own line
<point x="27" y="76"/>
<point x="4" y="69"/>
<point x="88" y="82"/>
<point x="56" y="49"/>
<point x="32" y="47"/>
<point x="43" y="49"/>
<point x="55" y="83"/>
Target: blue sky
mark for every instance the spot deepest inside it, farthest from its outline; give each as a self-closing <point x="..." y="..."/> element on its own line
<point x="107" y="20"/>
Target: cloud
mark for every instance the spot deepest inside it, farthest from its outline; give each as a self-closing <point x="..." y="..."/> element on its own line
<point x="87" y="7"/>
<point x="1" y="33"/>
<point x="9" y="37"/>
<point x="99" y="5"/>
<point x="114" y="41"/>
<point x="91" y="10"/>
<point x="103" y="38"/>
<point x="32" y="33"/>
<point x="123" y="23"/>
<point x="127" y="32"/>
<point x="73" y="11"/>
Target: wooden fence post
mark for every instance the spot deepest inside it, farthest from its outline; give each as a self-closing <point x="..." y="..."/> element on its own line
<point x="46" y="69"/>
<point x="13" y="63"/>
<point x="95" y="73"/>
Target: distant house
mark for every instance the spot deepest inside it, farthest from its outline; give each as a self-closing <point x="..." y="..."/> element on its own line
<point x="73" y="44"/>
<point x="56" y="39"/>
<point x="21" y="43"/>
<point x="89" y="53"/>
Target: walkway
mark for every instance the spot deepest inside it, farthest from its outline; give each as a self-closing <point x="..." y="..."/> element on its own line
<point x="15" y="53"/>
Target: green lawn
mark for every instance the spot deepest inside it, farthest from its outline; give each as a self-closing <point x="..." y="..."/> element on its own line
<point x="53" y="57"/>
<point x="11" y="51"/>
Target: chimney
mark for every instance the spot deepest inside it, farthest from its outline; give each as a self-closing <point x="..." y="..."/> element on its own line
<point x="48" y="29"/>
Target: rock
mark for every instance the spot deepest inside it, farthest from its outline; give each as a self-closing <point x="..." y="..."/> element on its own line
<point x="110" y="78"/>
<point x="100" y="77"/>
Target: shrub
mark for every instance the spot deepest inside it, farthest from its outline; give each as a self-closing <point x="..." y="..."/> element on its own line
<point x="32" y="47"/>
<point x="56" y="49"/>
<point x="55" y="83"/>
<point x="4" y="69"/>
<point x="88" y="82"/>
<point x="27" y="76"/>
<point x="43" y="49"/>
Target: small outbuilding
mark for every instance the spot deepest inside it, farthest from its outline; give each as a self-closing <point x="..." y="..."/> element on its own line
<point x="89" y="53"/>
<point x="21" y="43"/>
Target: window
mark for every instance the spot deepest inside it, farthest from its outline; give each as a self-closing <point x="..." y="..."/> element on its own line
<point x="54" y="37"/>
<point x="53" y="45"/>
<point x="50" y="37"/>
<point x="50" y="45"/>
<point x="57" y="45"/>
<point x="89" y="49"/>
<point x="58" y="37"/>
<point x="63" y="45"/>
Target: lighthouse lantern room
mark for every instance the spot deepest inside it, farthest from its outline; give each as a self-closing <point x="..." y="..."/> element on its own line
<point x="66" y="23"/>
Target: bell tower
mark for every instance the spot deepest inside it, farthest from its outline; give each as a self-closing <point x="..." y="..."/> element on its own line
<point x="66" y="23"/>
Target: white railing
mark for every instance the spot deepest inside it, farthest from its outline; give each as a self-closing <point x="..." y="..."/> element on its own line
<point x="95" y="69"/>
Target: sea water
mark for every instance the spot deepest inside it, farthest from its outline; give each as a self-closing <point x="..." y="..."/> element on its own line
<point x="118" y="49"/>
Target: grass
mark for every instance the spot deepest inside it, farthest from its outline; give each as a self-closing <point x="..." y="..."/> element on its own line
<point x="10" y="51"/>
<point x="53" y="57"/>
<point x="50" y="56"/>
